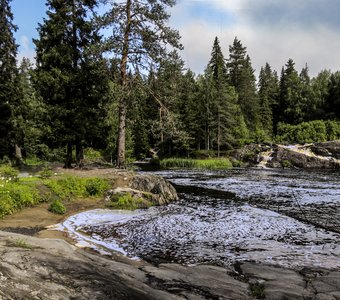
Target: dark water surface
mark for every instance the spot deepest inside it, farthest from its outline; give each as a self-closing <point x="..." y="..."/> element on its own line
<point x="288" y="218"/>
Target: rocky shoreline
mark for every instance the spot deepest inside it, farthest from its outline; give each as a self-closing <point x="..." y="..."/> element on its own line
<point x="309" y="156"/>
<point x="33" y="267"/>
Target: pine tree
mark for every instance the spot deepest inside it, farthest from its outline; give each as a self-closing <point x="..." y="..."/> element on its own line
<point x="268" y="94"/>
<point x="320" y="85"/>
<point x="139" y="38"/>
<point x="333" y="98"/>
<point x="290" y="105"/>
<point x="8" y="75"/>
<point x="241" y="76"/>
<point x="71" y="76"/>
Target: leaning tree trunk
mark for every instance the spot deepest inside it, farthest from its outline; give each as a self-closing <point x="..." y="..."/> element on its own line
<point x="123" y="99"/>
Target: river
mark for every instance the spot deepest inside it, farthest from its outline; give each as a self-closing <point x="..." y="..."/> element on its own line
<point x="288" y="218"/>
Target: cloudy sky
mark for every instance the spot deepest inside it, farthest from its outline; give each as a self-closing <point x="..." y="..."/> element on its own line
<point x="308" y="31"/>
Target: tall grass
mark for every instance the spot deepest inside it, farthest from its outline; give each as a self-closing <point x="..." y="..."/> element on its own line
<point x="202" y="164"/>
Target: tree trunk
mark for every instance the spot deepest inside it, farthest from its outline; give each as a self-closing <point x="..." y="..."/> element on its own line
<point x="123" y="83"/>
<point x="68" y="160"/>
<point x="79" y="155"/>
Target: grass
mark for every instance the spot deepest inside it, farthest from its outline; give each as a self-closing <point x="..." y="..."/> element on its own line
<point x="203" y="164"/>
<point x="17" y="193"/>
<point x="127" y="201"/>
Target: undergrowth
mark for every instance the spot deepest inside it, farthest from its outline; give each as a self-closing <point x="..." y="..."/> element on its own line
<point x="17" y="193"/>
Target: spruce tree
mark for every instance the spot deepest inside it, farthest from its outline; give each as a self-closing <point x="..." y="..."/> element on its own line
<point x="139" y="38"/>
<point x="8" y="75"/>
<point x="290" y="104"/>
<point x="70" y="75"/>
<point x="268" y="94"/>
<point x="241" y="76"/>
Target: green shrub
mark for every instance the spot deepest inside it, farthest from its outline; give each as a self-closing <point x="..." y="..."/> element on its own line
<point x="57" y="207"/>
<point x="8" y="172"/>
<point x="46" y="172"/>
<point x="96" y="186"/>
<point x="91" y="154"/>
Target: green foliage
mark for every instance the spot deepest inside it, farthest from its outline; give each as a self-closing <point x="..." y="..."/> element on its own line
<point x="8" y="172"/>
<point x="257" y="290"/>
<point x="46" y="172"/>
<point x="205" y="164"/>
<point x="96" y="186"/>
<point x="308" y="132"/>
<point x="70" y="187"/>
<point x="57" y="207"/>
<point x="127" y="201"/>
<point x="15" y="195"/>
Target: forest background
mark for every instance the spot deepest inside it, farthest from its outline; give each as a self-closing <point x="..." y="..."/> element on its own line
<point x="127" y="92"/>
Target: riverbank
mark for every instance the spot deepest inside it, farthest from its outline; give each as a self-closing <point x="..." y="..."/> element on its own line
<point x="32" y="267"/>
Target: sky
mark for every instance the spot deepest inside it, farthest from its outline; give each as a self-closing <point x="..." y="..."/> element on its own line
<point x="308" y="31"/>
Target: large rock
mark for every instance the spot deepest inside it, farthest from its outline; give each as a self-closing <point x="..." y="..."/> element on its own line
<point x="156" y="185"/>
<point x="285" y="157"/>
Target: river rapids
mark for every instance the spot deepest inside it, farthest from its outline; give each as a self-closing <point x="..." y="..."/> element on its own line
<point x="288" y="218"/>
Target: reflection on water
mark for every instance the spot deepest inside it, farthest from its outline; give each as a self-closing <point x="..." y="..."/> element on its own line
<point x="223" y="217"/>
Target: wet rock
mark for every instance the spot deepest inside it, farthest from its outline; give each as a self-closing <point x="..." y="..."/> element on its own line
<point x="286" y="157"/>
<point x="161" y="189"/>
<point x="332" y="148"/>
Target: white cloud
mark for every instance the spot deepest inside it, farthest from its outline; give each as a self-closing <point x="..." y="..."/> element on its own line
<point x="268" y="39"/>
<point x="25" y="49"/>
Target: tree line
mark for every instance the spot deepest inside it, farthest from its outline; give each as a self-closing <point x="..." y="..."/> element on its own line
<point x="128" y="93"/>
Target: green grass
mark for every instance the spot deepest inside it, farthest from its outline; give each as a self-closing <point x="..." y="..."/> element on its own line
<point x="25" y="192"/>
<point x="203" y="164"/>
<point x="127" y="201"/>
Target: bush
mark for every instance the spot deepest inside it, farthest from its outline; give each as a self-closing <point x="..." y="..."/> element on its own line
<point x="8" y="172"/>
<point x="57" y="207"/>
<point x="96" y="186"/>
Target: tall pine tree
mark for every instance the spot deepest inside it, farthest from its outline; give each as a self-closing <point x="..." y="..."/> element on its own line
<point x="268" y="94"/>
<point x="139" y="38"/>
<point x="241" y="76"/>
<point x="70" y="76"/>
<point x="8" y="75"/>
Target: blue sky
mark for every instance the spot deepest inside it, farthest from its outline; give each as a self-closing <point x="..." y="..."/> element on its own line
<point x="308" y="31"/>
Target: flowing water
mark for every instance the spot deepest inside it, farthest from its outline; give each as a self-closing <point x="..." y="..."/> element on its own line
<point x="287" y="218"/>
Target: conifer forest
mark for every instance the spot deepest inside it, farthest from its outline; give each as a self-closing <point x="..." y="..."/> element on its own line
<point x="128" y="94"/>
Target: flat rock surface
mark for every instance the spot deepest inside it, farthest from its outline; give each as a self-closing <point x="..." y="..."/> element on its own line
<point x="34" y="268"/>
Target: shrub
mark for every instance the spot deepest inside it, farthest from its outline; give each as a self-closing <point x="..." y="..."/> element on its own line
<point x="96" y="186"/>
<point x="57" y="207"/>
<point x="46" y="172"/>
<point x="8" y="172"/>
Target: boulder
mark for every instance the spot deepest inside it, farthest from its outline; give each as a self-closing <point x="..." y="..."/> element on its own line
<point x="286" y="157"/>
<point x="143" y="191"/>
<point x="156" y="185"/>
